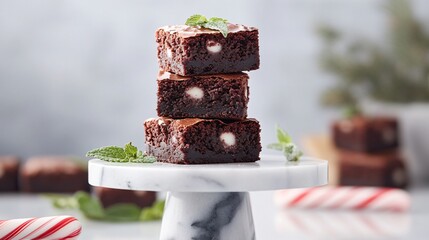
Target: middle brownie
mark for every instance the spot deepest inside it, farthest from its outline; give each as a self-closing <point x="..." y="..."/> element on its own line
<point x="222" y="96"/>
<point x="202" y="141"/>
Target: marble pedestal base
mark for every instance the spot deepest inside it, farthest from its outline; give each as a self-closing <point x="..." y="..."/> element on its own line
<point x="207" y="216"/>
<point x="209" y="201"/>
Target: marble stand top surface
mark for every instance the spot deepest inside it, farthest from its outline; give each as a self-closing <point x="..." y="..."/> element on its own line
<point x="270" y="173"/>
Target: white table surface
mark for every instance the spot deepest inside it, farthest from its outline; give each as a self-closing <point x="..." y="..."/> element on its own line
<point x="270" y="222"/>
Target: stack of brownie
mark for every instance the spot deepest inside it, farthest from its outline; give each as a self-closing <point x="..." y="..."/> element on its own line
<point x="203" y="95"/>
<point x="369" y="152"/>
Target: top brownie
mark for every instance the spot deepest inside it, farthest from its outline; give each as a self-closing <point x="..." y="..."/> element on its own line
<point x="187" y="50"/>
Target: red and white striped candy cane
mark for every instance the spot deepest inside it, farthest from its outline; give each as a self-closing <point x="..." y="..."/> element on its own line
<point x="47" y="228"/>
<point x="356" y="198"/>
<point x="344" y="224"/>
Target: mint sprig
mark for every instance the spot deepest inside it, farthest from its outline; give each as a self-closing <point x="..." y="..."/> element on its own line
<point x="285" y="144"/>
<point x="153" y="213"/>
<point x="352" y="111"/>
<point x="92" y="208"/>
<point x="128" y="153"/>
<point x="214" y="23"/>
<point x="196" y="20"/>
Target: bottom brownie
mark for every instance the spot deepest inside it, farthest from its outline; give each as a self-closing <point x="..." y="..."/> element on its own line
<point x="382" y="169"/>
<point x="110" y="196"/>
<point x="53" y="174"/>
<point x="9" y="168"/>
<point x="202" y="141"/>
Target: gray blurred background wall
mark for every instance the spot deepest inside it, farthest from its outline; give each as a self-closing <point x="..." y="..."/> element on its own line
<point x="78" y="74"/>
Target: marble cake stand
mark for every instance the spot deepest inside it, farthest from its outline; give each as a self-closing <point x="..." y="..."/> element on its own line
<point x="209" y="202"/>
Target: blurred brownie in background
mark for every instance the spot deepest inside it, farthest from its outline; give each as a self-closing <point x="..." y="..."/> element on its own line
<point x="9" y="168"/>
<point x="110" y="196"/>
<point x="366" y="134"/>
<point x="53" y="174"/>
<point x="381" y="170"/>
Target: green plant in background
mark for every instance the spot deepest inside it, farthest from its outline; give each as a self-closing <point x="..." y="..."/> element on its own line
<point x="397" y="71"/>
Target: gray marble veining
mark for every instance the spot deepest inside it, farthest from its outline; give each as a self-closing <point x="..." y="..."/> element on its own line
<point x="208" y="216"/>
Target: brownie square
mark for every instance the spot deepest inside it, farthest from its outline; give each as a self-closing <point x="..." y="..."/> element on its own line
<point x="366" y="134"/>
<point x="382" y="169"/>
<point x="187" y="50"/>
<point x="9" y="168"/>
<point x="53" y="175"/>
<point x="110" y="196"/>
<point x="202" y="141"/>
<point x="223" y="96"/>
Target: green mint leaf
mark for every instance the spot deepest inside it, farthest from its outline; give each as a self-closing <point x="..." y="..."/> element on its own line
<point x="352" y="111"/>
<point x="214" y="23"/>
<point x="144" y="159"/>
<point x="285" y="144"/>
<point x="282" y="136"/>
<point x="215" y="19"/>
<point x="196" y="20"/>
<point x="129" y="153"/>
<point x="110" y="154"/>
<point x="154" y="212"/>
<point x="130" y="150"/>
<point x="90" y="207"/>
<point x="218" y="24"/>
<point x="291" y="152"/>
<point x="140" y="154"/>
<point x="62" y="201"/>
<point x="122" y="212"/>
